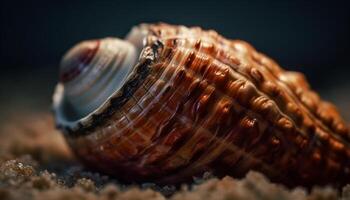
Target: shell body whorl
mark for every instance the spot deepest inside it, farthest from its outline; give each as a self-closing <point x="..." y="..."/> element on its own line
<point x="196" y="101"/>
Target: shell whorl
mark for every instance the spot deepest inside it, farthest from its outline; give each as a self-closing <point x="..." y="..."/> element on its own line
<point x="196" y="101"/>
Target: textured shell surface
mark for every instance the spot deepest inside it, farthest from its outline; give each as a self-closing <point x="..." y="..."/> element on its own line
<point x="170" y="102"/>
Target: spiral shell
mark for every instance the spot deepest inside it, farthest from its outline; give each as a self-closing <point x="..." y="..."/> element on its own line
<point x="195" y="101"/>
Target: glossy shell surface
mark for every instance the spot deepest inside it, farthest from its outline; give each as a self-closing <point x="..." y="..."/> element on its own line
<point x="195" y="101"/>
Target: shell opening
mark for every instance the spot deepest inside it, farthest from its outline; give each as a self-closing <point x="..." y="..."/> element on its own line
<point x="91" y="72"/>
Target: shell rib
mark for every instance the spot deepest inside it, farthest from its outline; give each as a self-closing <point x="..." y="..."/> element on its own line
<point x="196" y="101"/>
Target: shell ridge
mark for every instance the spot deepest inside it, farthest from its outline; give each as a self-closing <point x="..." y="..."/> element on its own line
<point x="292" y="95"/>
<point x="312" y="113"/>
<point x="313" y="116"/>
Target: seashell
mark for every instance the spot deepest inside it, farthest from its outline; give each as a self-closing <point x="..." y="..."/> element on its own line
<point x="171" y="102"/>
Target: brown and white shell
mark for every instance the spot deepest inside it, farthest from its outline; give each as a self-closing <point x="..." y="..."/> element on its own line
<point x="171" y="102"/>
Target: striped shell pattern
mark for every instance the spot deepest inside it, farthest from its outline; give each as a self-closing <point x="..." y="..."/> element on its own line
<point x="171" y="102"/>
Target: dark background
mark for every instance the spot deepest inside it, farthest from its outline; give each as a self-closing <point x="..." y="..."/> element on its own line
<point x="307" y="36"/>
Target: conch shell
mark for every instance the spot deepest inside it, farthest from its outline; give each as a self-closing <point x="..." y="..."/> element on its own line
<point x="171" y="102"/>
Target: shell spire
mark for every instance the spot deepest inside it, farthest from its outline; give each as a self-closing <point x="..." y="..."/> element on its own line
<point x="170" y="102"/>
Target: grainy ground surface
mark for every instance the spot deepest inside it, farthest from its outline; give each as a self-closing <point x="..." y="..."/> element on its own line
<point x="35" y="162"/>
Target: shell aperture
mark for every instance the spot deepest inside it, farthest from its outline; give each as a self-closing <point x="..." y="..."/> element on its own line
<point x="92" y="70"/>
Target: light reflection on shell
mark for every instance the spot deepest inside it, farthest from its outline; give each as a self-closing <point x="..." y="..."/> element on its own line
<point x="195" y="101"/>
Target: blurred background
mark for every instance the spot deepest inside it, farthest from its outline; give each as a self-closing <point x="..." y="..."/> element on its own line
<point x="307" y="36"/>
